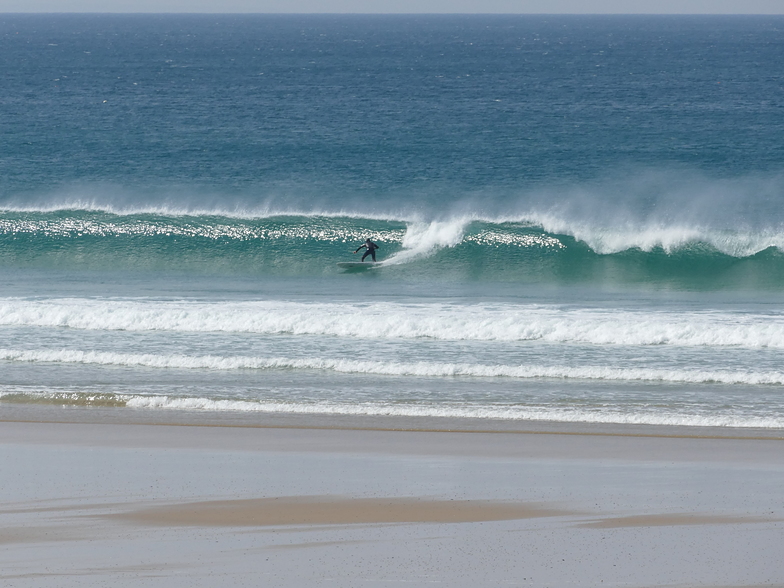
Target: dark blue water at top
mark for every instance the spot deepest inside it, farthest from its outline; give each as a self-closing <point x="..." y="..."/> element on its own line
<point x="379" y="105"/>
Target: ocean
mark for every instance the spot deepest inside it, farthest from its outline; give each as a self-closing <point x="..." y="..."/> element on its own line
<point x="579" y="218"/>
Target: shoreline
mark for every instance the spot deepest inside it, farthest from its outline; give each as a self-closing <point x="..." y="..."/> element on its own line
<point x="41" y="413"/>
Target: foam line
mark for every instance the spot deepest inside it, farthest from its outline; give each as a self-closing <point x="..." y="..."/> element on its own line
<point x="607" y="415"/>
<point x="390" y="320"/>
<point x="482" y="412"/>
<point x="422" y="369"/>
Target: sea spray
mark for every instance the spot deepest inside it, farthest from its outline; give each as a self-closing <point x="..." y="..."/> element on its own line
<point x="423" y="239"/>
<point x="536" y="249"/>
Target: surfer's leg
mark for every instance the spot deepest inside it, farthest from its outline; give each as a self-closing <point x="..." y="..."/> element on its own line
<point x="366" y="254"/>
<point x="373" y="255"/>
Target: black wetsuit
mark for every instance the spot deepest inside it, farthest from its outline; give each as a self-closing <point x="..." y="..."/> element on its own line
<point x="371" y="249"/>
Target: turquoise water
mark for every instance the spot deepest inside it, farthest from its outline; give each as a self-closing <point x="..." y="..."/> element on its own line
<point x="454" y="250"/>
<point x="579" y="218"/>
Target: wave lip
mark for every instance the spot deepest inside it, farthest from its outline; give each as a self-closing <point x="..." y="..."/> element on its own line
<point x="418" y="239"/>
<point x="529" y="245"/>
<point x="423" y="239"/>
<point x="390" y="320"/>
<point x="622" y="209"/>
<point x="670" y="238"/>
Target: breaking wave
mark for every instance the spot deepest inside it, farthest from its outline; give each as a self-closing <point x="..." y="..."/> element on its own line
<point x="603" y="415"/>
<point x="421" y="369"/>
<point x="650" y="227"/>
<point x="393" y="320"/>
<point x="413" y="237"/>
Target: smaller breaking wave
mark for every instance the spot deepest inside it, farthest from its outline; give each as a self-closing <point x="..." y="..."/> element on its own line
<point x="395" y="321"/>
<point x="602" y="415"/>
<point x="416" y="369"/>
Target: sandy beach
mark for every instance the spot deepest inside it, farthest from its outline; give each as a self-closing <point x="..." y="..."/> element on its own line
<point x="96" y="498"/>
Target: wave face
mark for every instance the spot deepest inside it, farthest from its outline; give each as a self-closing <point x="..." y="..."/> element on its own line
<point x="528" y="249"/>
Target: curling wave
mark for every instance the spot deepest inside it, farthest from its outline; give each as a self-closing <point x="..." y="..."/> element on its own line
<point x="529" y="247"/>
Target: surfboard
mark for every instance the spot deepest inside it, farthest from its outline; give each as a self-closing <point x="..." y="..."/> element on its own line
<point x="357" y="264"/>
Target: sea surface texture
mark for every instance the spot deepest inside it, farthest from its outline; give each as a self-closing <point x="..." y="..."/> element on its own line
<point x="579" y="218"/>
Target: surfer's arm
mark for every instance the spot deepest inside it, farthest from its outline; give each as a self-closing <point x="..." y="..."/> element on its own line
<point x="360" y="247"/>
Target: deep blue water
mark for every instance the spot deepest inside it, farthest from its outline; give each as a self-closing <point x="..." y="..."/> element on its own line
<point x="374" y="105"/>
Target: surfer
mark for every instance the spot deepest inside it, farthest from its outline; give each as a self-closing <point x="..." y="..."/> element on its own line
<point x="371" y="249"/>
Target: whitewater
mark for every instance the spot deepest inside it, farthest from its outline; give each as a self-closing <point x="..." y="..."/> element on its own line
<point x="389" y="320"/>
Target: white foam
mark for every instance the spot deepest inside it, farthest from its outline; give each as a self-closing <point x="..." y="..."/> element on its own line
<point x="650" y="235"/>
<point x="391" y="320"/>
<point x="449" y="411"/>
<point x="630" y="414"/>
<point x="424" y="239"/>
<point x="422" y="369"/>
<point x="623" y="209"/>
<point x="606" y="225"/>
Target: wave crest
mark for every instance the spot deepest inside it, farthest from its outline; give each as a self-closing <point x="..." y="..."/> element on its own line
<point x="390" y="320"/>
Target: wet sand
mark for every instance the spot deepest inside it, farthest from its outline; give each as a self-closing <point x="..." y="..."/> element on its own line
<point x="333" y="510"/>
<point x="94" y="500"/>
